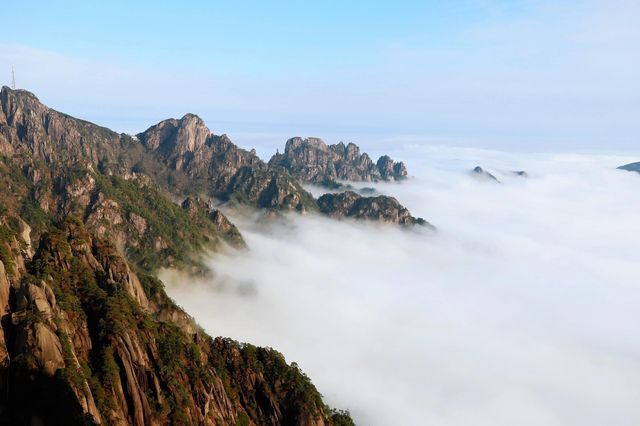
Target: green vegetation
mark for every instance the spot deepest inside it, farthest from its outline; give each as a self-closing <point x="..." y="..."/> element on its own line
<point x="243" y="419"/>
<point x="341" y="417"/>
<point x="6" y="256"/>
<point x="171" y="237"/>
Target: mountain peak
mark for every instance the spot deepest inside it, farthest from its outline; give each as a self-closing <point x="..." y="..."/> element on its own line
<point x="297" y="142"/>
<point x="187" y="134"/>
<point x="312" y="160"/>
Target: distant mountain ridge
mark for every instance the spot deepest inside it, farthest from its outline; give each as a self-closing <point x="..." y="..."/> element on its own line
<point x="631" y="167"/>
<point x="313" y="161"/>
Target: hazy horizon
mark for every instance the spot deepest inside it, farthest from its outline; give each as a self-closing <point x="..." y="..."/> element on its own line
<point x="517" y="76"/>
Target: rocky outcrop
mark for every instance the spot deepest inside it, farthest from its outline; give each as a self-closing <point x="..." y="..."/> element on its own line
<point x="213" y="164"/>
<point x="481" y="174"/>
<point x="197" y="206"/>
<point x="311" y="160"/>
<point x="381" y="208"/>
<point x="631" y="167"/>
<point x="28" y="128"/>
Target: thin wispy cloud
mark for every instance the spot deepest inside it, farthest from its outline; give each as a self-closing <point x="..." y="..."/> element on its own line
<point x="519" y="76"/>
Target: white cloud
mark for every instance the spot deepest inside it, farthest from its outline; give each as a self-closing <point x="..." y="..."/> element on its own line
<point x="522" y="309"/>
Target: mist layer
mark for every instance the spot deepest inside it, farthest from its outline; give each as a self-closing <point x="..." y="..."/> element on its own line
<point x="521" y="309"/>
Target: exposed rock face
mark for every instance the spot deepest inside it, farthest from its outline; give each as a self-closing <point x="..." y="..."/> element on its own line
<point x="85" y="164"/>
<point x="28" y="125"/>
<point x="381" y="208"/>
<point x="520" y="173"/>
<point x="311" y="160"/>
<point x="86" y="342"/>
<point x="219" y="167"/>
<point x="390" y="170"/>
<point x="631" y="167"/>
<point x="196" y="205"/>
<point x="182" y="156"/>
<point x="479" y="173"/>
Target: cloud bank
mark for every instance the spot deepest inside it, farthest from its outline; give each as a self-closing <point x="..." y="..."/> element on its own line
<point x="522" y="308"/>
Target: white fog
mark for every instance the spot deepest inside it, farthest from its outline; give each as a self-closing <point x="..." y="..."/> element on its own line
<point x="521" y="309"/>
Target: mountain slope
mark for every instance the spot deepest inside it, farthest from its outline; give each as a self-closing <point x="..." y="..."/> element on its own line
<point x="88" y="335"/>
<point x="202" y="161"/>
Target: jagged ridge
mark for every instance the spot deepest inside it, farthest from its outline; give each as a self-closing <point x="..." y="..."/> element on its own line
<point x="181" y="157"/>
<point x="311" y="160"/>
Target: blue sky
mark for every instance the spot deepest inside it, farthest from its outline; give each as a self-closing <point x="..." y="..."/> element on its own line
<point x="512" y="75"/>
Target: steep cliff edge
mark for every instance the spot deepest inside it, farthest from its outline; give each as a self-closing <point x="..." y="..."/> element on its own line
<point x="88" y="340"/>
<point x="311" y="160"/>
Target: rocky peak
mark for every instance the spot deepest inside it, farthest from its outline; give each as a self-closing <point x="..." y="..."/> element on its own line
<point x="311" y="142"/>
<point x="350" y="152"/>
<point x="187" y="134"/>
<point x="390" y="170"/>
<point x="313" y="161"/>
<point x="481" y="174"/>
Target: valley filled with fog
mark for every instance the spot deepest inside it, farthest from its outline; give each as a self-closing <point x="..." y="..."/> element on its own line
<point x="522" y="308"/>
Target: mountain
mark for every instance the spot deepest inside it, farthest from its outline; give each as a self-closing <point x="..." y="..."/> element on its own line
<point x="197" y="161"/>
<point x="88" y="334"/>
<point x="181" y="157"/>
<point x="631" y="167"/>
<point x="313" y="161"/>
<point x="380" y="208"/>
<point x="479" y="173"/>
<point x="86" y="340"/>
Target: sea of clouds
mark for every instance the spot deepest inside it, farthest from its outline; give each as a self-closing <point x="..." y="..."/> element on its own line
<point x="522" y="309"/>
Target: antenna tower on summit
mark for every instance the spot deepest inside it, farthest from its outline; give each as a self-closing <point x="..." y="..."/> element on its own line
<point x="13" y="78"/>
